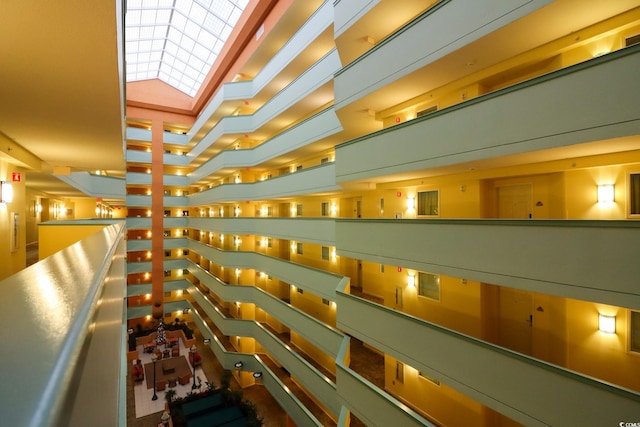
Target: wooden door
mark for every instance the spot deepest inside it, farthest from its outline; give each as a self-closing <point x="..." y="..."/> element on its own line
<point x="515" y="324"/>
<point x="514" y="201"/>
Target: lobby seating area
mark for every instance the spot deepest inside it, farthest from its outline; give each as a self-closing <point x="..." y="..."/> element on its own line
<point x="172" y="373"/>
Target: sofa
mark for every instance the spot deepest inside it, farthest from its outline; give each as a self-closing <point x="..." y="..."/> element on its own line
<point x="138" y="371"/>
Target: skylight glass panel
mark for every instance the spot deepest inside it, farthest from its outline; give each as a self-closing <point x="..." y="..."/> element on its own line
<point x="177" y="41"/>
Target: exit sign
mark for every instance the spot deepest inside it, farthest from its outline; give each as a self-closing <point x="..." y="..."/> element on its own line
<point x="16" y="177"/>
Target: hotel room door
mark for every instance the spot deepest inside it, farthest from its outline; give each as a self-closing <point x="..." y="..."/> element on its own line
<point x="514" y="201"/>
<point x="515" y="306"/>
<point x="515" y="314"/>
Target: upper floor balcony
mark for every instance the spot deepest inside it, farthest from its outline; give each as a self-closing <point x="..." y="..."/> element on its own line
<point x="314" y="128"/>
<point x="144" y="157"/>
<point x="93" y="185"/>
<point x="312" y="180"/>
<point x="586" y="260"/>
<point x="289" y="53"/>
<point x="316" y="79"/>
<point x="576" y="105"/>
<point x="144" y="135"/>
<point x="528" y="390"/>
<point x="313" y="230"/>
<point x="137" y="200"/>
<point x="441" y="30"/>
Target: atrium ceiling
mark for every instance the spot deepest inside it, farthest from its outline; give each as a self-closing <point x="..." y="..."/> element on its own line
<point x="177" y="41"/>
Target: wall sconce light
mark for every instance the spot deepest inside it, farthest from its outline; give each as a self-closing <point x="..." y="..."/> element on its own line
<point x="334" y="209"/>
<point x="411" y="203"/>
<point x="606" y="193"/>
<point x="237" y="272"/>
<point x="411" y="280"/>
<point x="607" y="324"/>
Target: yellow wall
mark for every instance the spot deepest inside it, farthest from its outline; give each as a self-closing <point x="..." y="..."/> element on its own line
<point x="604" y="356"/>
<point x="84" y="208"/>
<point x="444" y="405"/>
<point x="54" y="238"/>
<point x="13" y="258"/>
<point x="33" y="216"/>
<point x="582" y="192"/>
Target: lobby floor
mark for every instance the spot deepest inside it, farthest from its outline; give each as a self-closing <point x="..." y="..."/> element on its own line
<point x="268" y="408"/>
<point x="364" y="361"/>
<point x="144" y="404"/>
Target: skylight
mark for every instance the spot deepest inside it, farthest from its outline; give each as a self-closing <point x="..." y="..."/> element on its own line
<point x="177" y="41"/>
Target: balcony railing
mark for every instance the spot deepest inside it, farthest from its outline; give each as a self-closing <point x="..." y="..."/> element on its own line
<point x="313" y="230"/>
<point x="318" y="384"/>
<point x="64" y="337"/>
<point x="529" y="391"/>
<point x="537" y="114"/>
<point x="581" y="259"/>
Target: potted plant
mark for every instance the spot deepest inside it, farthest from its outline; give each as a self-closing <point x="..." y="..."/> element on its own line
<point x="132" y="342"/>
<point x="170" y="395"/>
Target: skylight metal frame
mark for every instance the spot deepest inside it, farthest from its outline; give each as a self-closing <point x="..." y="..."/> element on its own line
<point x="177" y="41"/>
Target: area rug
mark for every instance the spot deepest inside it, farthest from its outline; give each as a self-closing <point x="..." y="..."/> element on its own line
<point x="166" y="369"/>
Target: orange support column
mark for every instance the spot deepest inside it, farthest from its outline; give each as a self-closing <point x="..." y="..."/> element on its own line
<point x="157" y="218"/>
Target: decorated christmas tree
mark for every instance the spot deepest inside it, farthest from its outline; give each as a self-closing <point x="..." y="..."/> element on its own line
<point x="161" y="338"/>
